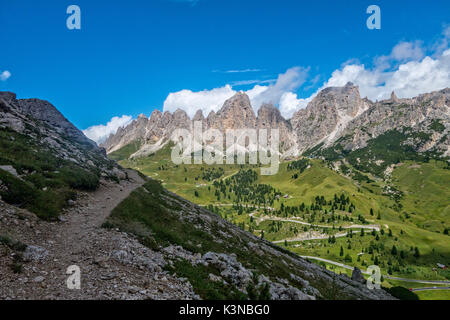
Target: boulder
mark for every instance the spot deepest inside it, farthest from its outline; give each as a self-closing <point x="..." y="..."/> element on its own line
<point x="358" y="276"/>
<point x="10" y="169"/>
<point x="35" y="253"/>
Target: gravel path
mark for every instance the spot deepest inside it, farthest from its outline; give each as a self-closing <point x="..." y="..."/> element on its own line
<point x="113" y="264"/>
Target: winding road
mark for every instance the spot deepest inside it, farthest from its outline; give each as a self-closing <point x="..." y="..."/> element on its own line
<point x="430" y="288"/>
<point x="385" y="276"/>
<point x="321" y="237"/>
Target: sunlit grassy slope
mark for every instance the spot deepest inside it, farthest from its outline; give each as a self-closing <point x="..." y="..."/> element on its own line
<point x="417" y="214"/>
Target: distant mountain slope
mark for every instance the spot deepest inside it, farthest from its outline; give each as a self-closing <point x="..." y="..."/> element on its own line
<point x="337" y="115"/>
<point x="394" y="130"/>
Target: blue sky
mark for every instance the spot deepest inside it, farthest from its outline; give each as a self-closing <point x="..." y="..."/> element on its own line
<point x="130" y="55"/>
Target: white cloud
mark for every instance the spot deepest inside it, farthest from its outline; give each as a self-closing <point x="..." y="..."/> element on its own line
<point x="239" y="71"/>
<point x="100" y="133"/>
<point x="5" y="75"/>
<point x="408" y="50"/>
<point x="407" y="80"/>
<point x="206" y="100"/>
<point x="443" y="43"/>
<point x="289" y="81"/>
<point x="407" y="70"/>
<point x="289" y="103"/>
<point x="212" y="100"/>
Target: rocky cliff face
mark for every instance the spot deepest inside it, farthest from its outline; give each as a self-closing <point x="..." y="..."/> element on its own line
<point x="327" y="115"/>
<point x="236" y="113"/>
<point x="336" y="113"/>
<point x="42" y="123"/>
<point x="427" y="115"/>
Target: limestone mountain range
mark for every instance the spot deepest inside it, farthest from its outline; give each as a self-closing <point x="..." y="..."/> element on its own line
<point x="335" y="114"/>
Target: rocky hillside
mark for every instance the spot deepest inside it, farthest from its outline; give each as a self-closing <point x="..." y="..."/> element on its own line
<point x="44" y="159"/>
<point x="335" y="114"/>
<point x="390" y="132"/>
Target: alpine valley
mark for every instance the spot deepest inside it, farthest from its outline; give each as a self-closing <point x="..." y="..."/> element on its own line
<point x="360" y="184"/>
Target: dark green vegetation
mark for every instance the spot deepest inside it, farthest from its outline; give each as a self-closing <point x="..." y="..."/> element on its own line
<point x="402" y="293"/>
<point x="18" y="248"/>
<point x="437" y="126"/>
<point x="46" y="182"/>
<point x="199" y="278"/>
<point x="241" y="188"/>
<point x="388" y="148"/>
<point x="210" y="174"/>
<point x="299" y="166"/>
<point x="12" y="244"/>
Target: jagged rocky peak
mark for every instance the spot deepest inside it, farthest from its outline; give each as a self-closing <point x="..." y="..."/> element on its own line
<point x="180" y="114"/>
<point x="198" y="115"/>
<point x="167" y="117"/>
<point x="155" y="116"/>
<point x="210" y="118"/>
<point x="7" y="96"/>
<point x="327" y="115"/>
<point x="269" y="112"/>
<point x="346" y="100"/>
<point x="269" y="116"/>
<point x="416" y="114"/>
<point x="135" y="131"/>
<point x="394" y="97"/>
<point x="333" y="113"/>
<point x="237" y="112"/>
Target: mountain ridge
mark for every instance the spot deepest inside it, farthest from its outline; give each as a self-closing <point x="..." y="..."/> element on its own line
<point x="334" y="113"/>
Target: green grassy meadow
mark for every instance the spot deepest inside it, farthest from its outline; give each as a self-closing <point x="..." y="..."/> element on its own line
<point x="411" y="209"/>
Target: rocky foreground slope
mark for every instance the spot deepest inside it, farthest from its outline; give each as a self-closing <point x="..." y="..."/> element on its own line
<point x="335" y="114"/>
<point x="130" y="238"/>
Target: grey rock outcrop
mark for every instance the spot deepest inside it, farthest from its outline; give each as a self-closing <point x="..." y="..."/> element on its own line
<point x="327" y="115"/>
<point x="34" y="253"/>
<point x="358" y="276"/>
<point x="41" y="122"/>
